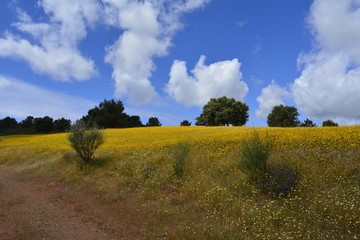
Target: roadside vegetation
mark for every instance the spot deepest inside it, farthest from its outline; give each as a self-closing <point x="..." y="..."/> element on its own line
<point x="190" y="180"/>
<point x="85" y="141"/>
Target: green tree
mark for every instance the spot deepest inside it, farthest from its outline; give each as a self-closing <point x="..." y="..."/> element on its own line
<point x="44" y="125"/>
<point x="185" y="123"/>
<point x="200" y="120"/>
<point x="110" y="114"/>
<point x="62" y="125"/>
<point x="153" y="122"/>
<point x="28" y="122"/>
<point x="27" y="125"/>
<point x="307" y="123"/>
<point x="8" y="125"/>
<point x="133" y="121"/>
<point x="8" y="122"/>
<point x="283" y="116"/>
<point x="329" y="123"/>
<point x="223" y="111"/>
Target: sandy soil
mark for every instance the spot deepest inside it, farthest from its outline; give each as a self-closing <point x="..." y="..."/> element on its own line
<point x="45" y="208"/>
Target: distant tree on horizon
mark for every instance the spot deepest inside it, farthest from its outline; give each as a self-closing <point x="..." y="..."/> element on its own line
<point x="283" y="116"/>
<point x="223" y="111"/>
<point x="110" y="114"/>
<point x="8" y="123"/>
<point x="308" y="123"/>
<point x="185" y="123"/>
<point x="44" y="124"/>
<point x="28" y="122"/>
<point x="133" y="121"/>
<point x="329" y="123"/>
<point x="62" y="125"/>
<point x="153" y="122"/>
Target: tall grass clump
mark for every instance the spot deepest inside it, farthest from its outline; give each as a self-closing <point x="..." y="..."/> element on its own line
<point x="278" y="179"/>
<point x="180" y="152"/>
<point x="254" y="154"/>
<point x="85" y="140"/>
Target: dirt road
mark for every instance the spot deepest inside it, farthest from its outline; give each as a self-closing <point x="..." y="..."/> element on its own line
<point x="45" y="208"/>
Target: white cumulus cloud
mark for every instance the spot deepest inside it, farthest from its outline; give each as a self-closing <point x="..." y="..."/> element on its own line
<point x="215" y="80"/>
<point x="148" y="27"/>
<point x="271" y="96"/>
<point x="330" y="79"/>
<point x="20" y="99"/>
<point x="51" y="47"/>
<point x="335" y="26"/>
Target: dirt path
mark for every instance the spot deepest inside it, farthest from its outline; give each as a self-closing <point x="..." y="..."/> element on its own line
<point x="44" y="208"/>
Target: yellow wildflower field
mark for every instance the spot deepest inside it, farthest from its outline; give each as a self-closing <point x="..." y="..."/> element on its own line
<point x="118" y="140"/>
<point x="214" y="200"/>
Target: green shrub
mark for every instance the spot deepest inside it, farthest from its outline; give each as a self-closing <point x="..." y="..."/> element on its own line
<point x="180" y="152"/>
<point x="254" y="154"/>
<point x="85" y="140"/>
<point x="276" y="179"/>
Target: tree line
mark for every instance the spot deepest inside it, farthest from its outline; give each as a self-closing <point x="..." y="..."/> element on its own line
<point x="225" y="111"/>
<point x="221" y="111"/>
<point x="32" y="125"/>
<point x="287" y="116"/>
<point x="108" y="114"/>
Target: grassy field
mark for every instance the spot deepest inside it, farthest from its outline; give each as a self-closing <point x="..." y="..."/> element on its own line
<point x="213" y="198"/>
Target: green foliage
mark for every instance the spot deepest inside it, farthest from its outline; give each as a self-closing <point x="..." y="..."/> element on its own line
<point x="185" y="123"/>
<point x="62" y="125"/>
<point x="8" y="122"/>
<point x="28" y="122"/>
<point x="44" y="125"/>
<point x="277" y="179"/>
<point x="110" y="114"/>
<point x="283" y="116"/>
<point x="153" y="122"/>
<point x="8" y="125"/>
<point x="215" y="200"/>
<point x="31" y="125"/>
<point x="223" y="112"/>
<point x="308" y="123"/>
<point x="132" y="121"/>
<point x="254" y="154"/>
<point x="180" y="152"/>
<point x="329" y="123"/>
<point x="85" y="140"/>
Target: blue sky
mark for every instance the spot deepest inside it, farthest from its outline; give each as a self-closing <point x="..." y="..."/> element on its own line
<point x="166" y="59"/>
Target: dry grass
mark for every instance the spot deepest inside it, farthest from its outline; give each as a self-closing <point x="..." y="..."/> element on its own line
<point x="213" y="199"/>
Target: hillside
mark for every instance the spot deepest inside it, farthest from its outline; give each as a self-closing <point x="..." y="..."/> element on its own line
<point x="131" y="192"/>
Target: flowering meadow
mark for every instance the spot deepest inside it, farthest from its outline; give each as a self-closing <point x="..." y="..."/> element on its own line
<point x="213" y="199"/>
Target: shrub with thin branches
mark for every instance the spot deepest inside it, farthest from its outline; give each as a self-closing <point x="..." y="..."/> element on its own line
<point x="85" y="140"/>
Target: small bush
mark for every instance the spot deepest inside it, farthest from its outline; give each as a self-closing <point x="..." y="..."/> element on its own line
<point x="180" y="152"/>
<point x="254" y="154"/>
<point x="85" y="140"/>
